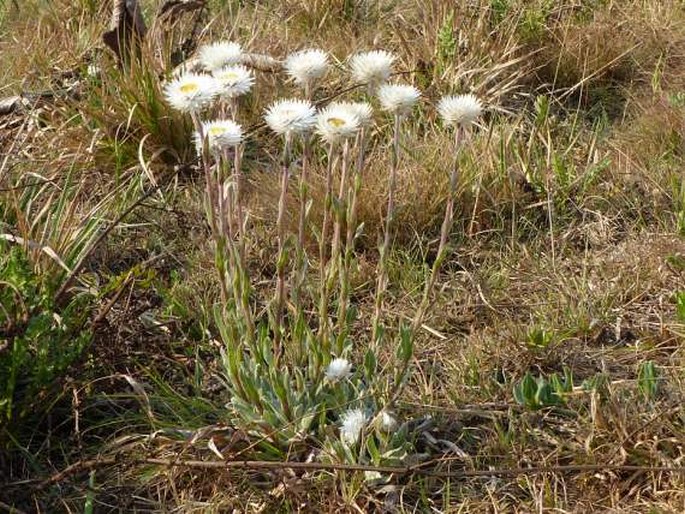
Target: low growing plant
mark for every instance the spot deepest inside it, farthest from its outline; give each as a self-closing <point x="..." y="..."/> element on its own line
<point x="289" y="373"/>
<point x="540" y="392"/>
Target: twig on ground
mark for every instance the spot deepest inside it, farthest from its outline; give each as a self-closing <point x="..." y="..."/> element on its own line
<point x="420" y="469"/>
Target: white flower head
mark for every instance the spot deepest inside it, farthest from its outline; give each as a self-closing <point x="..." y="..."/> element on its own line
<point x="234" y="80"/>
<point x="290" y="117"/>
<point x="460" y="110"/>
<point x="372" y="68"/>
<point x="363" y="110"/>
<point x="220" y="134"/>
<point x="218" y="55"/>
<point x="191" y="91"/>
<point x="306" y="66"/>
<point x="338" y="369"/>
<point x="388" y="422"/>
<point x="398" y="98"/>
<point x="337" y="122"/>
<point x="353" y="422"/>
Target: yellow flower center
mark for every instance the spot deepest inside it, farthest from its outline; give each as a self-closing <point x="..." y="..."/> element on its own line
<point x="189" y="88"/>
<point x="216" y="131"/>
<point x="336" y="122"/>
<point x="230" y="76"/>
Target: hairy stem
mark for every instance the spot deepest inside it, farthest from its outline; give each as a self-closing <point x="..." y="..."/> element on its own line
<point x="282" y="254"/>
<point x="445" y="230"/>
<point x="382" y="269"/>
<point x="323" y="300"/>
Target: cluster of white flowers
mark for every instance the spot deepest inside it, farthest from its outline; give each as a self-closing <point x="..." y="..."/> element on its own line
<point x="228" y="79"/>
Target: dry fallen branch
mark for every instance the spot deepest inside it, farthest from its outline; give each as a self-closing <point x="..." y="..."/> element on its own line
<point x="421" y="469"/>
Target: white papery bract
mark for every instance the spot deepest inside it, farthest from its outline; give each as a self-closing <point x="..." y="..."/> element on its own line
<point x="220" y="134"/>
<point x="388" y="422"/>
<point x="286" y="117"/>
<point x="460" y="110"/>
<point x="234" y="80"/>
<point x="372" y="68"/>
<point x="336" y="122"/>
<point x="338" y="369"/>
<point x="306" y="66"/>
<point x="218" y="55"/>
<point x="191" y="92"/>
<point x="363" y="110"/>
<point x="353" y="422"/>
<point x="398" y="98"/>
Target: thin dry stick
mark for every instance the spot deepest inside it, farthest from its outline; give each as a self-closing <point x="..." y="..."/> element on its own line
<point x="385" y="248"/>
<point x="87" y="465"/>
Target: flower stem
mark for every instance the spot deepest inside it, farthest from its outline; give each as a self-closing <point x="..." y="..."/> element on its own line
<point x="212" y="206"/>
<point x="239" y="261"/>
<point x="447" y="223"/>
<point x="385" y="247"/>
<point x="282" y="254"/>
<point x="323" y="300"/>
<point x="351" y="220"/>
<point x="340" y="201"/>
